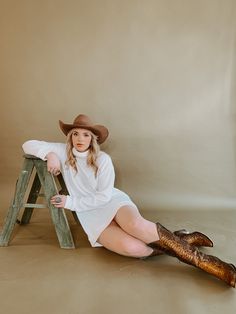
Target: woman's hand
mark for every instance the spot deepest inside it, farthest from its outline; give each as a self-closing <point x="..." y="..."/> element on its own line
<point x="58" y="200"/>
<point x="53" y="164"/>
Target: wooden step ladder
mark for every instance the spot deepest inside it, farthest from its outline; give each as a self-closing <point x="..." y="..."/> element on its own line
<point x="42" y="180"/>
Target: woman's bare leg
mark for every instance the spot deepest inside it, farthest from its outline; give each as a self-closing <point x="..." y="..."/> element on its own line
<point x="117" y="240"/>
<point x="131" y="221"/>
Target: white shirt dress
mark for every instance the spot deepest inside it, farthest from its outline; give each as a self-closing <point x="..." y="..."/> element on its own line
<point x="94" y="199"/>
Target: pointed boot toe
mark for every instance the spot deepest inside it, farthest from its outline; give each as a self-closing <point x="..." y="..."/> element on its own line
<point x="195" y="238"/>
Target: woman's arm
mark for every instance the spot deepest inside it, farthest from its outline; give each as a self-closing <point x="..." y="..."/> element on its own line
<point x="52" y="152"/>
<point x="53" y="163"/>
<point x="40" y="149"/>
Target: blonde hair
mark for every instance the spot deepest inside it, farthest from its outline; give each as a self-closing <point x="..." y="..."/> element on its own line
<point x="92" y="155"/>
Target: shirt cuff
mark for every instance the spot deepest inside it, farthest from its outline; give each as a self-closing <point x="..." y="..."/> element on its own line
<point x="69" y="203"/>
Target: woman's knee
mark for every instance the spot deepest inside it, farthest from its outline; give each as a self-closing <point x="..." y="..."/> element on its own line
<point x="129" y="219"/>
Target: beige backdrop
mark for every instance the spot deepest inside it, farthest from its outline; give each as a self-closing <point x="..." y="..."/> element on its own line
<point x="159" y="73"/>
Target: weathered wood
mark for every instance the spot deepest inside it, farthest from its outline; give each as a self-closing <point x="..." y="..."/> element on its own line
<point x="33" y="195"/>
<point x="42" y="178"/>
<point x="17" y="203"/>
<point x="65" y="192"/>
<point x="32" y="206"/>
<point x="58" y="214"/>
<point x="62" y="184"/>
<point x="28" y="156"/>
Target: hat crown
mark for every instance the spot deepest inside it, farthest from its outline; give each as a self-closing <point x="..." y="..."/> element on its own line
<point x="82" y="119"/>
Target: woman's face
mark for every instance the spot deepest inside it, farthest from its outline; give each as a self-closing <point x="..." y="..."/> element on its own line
<point x="81" y="139"/>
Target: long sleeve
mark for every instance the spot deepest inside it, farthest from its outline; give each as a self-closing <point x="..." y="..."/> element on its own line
<point x="103" y="192"/>
<point x="40" y="148"/>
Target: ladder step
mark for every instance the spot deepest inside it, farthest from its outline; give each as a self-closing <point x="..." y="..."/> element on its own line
<point x="28" y="205"/>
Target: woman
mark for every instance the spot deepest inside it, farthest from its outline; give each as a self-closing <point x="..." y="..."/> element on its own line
<point x="108" y="215"/>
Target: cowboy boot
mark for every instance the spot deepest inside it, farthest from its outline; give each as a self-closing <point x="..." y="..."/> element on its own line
<point x="195" y="238"/>
<point x="179" y="248"/>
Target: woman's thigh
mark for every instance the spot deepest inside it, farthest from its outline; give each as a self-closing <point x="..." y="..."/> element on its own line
<point x="132" y="222"/>
<point x="117" y="240"/>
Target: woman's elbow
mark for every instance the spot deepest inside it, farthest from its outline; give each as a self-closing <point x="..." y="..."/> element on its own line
<point x="27" y="146"/>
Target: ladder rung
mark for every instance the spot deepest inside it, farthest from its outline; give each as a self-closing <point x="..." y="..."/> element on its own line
<point x="28" y="205"/>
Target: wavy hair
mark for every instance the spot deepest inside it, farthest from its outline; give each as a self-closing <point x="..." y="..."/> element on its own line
<point x="92" y="155"/>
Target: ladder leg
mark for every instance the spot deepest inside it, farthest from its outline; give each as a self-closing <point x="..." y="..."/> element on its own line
<point x="75" y="217"/>
<point x="62" y="184"/>
<point x="33" y="195"/>
<point x="65" y="192"/>
<point x="17" y="203"/>
<point x="58" y="214"/>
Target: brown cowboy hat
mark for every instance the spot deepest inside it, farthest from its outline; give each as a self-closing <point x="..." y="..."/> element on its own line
<point x="83" y="122"/>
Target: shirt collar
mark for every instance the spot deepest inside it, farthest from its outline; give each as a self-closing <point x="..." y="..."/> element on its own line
<point x="80" y="154"/>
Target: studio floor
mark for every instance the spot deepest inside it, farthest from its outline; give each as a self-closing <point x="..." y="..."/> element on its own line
<point x="36" y="276"/>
